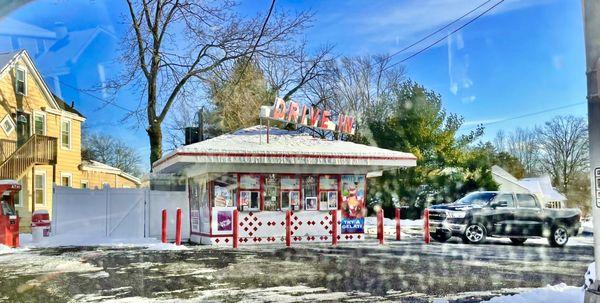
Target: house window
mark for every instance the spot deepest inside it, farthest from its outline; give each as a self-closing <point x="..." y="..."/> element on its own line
<point x="40" y="185"/>
<point x="21" y="81"/>
<point x="8" y="125"/>
<point x="65" y="134"/>
<point x="84" y="184"/>
<point x="39" y="123"/>
<point x="65" y="179"/>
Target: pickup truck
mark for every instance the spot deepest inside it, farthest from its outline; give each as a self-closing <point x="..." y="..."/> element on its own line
<point x="518" y="216"/>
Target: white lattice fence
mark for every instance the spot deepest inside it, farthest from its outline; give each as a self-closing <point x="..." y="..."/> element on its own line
<point x="261" y="227"/>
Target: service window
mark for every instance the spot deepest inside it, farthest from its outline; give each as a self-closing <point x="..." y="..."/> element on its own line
<point x="225" y="190"/>
<point x="290" y="193"/>
<point x="272" y="188"/>
<point x="309" y="192"/>
<point x="526" y="201"/>
<point x="249" y="192"/>
<point x="328" y="188"/>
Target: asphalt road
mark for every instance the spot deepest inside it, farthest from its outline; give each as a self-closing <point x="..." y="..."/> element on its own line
<point x="406" y="271"/>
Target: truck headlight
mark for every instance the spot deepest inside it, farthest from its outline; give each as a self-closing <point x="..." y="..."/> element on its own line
<point x="457" y="214"/>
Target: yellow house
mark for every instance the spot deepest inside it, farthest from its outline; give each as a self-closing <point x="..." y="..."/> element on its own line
<point x="40" y="140"/>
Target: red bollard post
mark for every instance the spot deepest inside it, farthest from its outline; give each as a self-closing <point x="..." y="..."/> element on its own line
<point x="380" y="226"/>
<point x="334" y="239"/>
<point x="235" y="228"/>
<point x="164" y="226"/>
<point x="397" y="224"/>
<point x="426" y="226"/>
<point x="288" y="228"/>
<point x="178" y="228"/>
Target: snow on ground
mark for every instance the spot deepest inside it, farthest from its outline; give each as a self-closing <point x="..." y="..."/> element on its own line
<point x="560" y="293"/>
<point x="588" y="226"/>
<point x="26" y="241"/>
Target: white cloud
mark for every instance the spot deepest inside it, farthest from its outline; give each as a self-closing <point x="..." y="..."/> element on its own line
<point x="403" y="22"/>
<point x="468" y="99"/>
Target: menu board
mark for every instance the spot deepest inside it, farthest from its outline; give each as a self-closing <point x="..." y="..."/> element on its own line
<point x="328" y="183"/>
<point x="290" y="183"/>
<point x="249" y="181"/>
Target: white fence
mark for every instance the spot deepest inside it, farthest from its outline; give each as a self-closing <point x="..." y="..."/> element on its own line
<point x="117" y="212"/>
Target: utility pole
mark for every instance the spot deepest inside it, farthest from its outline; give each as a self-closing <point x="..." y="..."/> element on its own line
<point x="591" y="21"/>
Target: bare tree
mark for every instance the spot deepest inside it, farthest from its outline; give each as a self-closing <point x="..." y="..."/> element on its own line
<point x="522" y="143"/>
<point x="174" y="44"/>
<point x="563" y="142"/>
<point x="112" y="151"/>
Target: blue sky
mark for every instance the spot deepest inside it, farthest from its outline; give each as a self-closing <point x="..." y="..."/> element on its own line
<point x="522" y="57"/>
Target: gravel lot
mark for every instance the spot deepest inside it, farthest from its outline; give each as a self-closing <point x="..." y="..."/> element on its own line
<point x="406" y="271"/>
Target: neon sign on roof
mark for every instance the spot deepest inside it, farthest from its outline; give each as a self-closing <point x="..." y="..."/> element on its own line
<point x="292" y="112"/>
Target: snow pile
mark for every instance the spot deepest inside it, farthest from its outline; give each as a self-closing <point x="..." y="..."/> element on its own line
<point x="590" y="275"/>
<point x="78" y="240"/>
<point x="560" y="293"/>
<point x="588" y="226"/>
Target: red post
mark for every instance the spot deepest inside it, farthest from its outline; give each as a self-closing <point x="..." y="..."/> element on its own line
<point x="288" y="228"/>
<point x="334" y="239"/>
<point x="235" y="228"/>
<point x="178" y="228"/>
<point x="380" y="226"/>
<point x="397" y="224"/>
<point x="426" y="226"/>
<point x="164" y="226"/>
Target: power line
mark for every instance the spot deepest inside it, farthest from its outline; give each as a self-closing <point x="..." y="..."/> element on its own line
<point x="96" y="97"/>
<point x="445" y="36"/>
<point x="440" y="29"/>
<point x="527" y="115"/>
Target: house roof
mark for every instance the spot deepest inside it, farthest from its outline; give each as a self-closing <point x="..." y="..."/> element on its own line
<point x="64" y="106"/>
<point x="68" y="50"/>
<point x="541" y="186"/>
<point x="92" y="165"/>
<point x="249" y="147"/>
<point x="14" y="27"/>
<point x="7" y="59"/>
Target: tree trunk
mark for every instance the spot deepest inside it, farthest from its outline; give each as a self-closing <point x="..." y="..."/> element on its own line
<point x="155" y="136"/>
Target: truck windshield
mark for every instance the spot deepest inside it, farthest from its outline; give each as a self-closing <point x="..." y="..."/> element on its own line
<point x="7" y="210"/>
<point x="477" y="198"/>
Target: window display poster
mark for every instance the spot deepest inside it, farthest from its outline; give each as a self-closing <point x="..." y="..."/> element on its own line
<point x="311" y="203"/>
<point x="225" y="220"/>
<point x="294" y="198"/>
<point x="195" y="220"/>
<point x="222" y="220"/>
<point x="244" y="198"/>
<point x="353" y="196"/>
<point x="222" y="196"/>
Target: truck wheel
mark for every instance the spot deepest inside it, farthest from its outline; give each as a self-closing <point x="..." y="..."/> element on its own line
<point x="559" y="236"/>
<point x="518" y="241"/>
<point x="440" y="237"/>
<point x="474" y="234"/>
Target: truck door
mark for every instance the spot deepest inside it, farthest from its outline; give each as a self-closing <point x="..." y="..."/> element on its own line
<point x="528" y="216"/>
<point x="503" y="214"/>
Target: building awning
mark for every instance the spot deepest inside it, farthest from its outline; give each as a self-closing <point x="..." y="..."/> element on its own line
<point x="247" y="150"/>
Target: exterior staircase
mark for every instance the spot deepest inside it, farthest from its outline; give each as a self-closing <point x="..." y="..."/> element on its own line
<point x="37" y="150"/>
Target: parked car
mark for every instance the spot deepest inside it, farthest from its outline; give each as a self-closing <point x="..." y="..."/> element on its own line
<point x="518" y="216"/>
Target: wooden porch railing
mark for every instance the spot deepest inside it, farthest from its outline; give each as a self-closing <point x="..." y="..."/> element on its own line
<point x="7" y="148"/>
<point x="37" y="149"/>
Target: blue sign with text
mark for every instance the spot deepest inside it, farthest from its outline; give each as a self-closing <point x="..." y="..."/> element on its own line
<point x="353" y="226"/>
